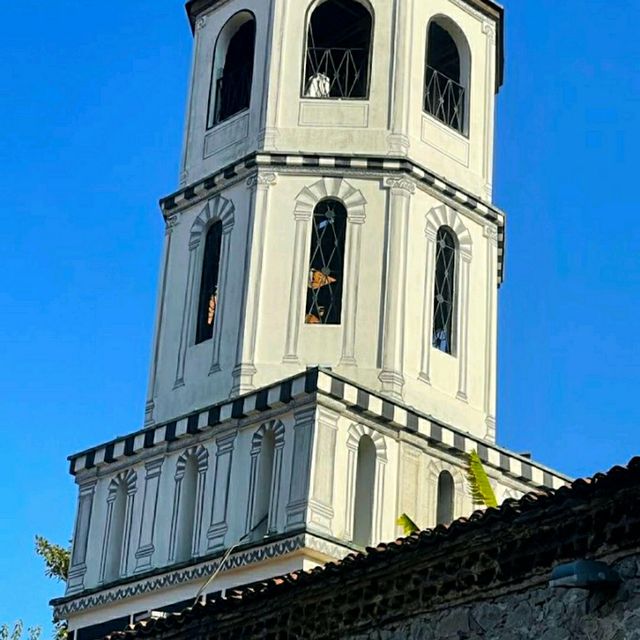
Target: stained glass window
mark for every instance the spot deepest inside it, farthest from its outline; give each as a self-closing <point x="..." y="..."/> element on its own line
<point x="326" y="266"/>
<point x="444" y="290"/>
<point x="208" y="302"/>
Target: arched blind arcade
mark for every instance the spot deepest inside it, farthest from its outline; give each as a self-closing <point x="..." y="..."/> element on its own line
<point x="444" y="290"/>
<point x="364" y="497"/>
<point x="208" y="301"/>
<point x="326" y="265"/>
<point x="338" y="50"/>
<point x="446" y="495"/>
<point x="233" y="68"/>
<point x="445" y="84"/>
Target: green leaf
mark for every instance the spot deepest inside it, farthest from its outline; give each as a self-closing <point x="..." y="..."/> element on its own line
<point x="56" y="558"/>
<point x="407" y="524"/>
<point x="481" y="489"/>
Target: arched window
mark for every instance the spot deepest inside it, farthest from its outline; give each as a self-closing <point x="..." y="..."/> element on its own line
<point x="262" y="503"/>
<point x="115" y="534"/>
<point x="187" y="510"/>
<point x="365" y="486"/>
<point x="338" y="50"/>
<point x="446" y="494"/>
<point x="208" y="301"/>
<point x="326" y="265"/>
<point x="447" y="75"/>
<point x="232" y="68"/>
<point x="444" y="290"/>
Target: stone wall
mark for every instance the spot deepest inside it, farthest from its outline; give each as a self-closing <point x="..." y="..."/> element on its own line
<point x="537" y="613"/>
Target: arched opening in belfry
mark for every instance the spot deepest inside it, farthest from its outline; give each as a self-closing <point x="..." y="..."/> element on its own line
<point x="262" y="504"/>
<point x="444" y="294"/>
<point x="208" y="300"/>
<point x="447" y="74"/>
<point x="116" y="534"/>
<point x="445" y="499"/>
<point x="365" y="492"/>
<point x="338" y="52"/>
<point x="187" y="510"/>
<point x="232" y="68"/>
<point x="326" y="264"/>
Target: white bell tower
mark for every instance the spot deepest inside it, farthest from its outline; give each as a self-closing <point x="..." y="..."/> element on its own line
<point x="324" y="356"/>
<point x="341" y="153"/>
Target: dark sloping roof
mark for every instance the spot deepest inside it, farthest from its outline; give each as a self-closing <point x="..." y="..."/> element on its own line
<point x="524" y="535"/>
<point x="491" y="9"/>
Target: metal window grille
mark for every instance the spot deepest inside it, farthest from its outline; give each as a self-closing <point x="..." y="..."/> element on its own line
<point x="444" y="291"/>
<point x="444" y="99"/>
<point x="336" y="73"/>
<point x="233" y="92"/>
<point x="208" y="301"/>
<point x="326" y="266"/>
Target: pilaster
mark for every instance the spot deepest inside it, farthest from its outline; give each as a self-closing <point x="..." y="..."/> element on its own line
<point x="78" y="564"/>
<point x="146" y="548"/>
<point x="221" y="487"/>
<point x="391" y="377"/>
<point x="244" y="371"/>
<point x="300" y="467"/>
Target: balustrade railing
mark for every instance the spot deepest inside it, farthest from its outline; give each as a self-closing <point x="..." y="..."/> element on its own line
<point x="336" y="73"/>
<point x="444" y="99"/>
<point x="233" y="92"/>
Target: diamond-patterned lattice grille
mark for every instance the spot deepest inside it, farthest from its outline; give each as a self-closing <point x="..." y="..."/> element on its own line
<point x="326" y="266"/>
<point x="444" y="291"/>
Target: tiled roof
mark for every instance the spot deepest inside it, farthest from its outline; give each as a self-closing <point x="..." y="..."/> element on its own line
<point x="572" y="503"/>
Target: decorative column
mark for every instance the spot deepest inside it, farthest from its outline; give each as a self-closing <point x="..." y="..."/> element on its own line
<point x="201" y="23"/>
<point x="274" y="497"/>
<point x="302" y="216"/>
<point x="400" y="94"/>
<point x="128" y="523"/>
<point x="170" y="224"/>
<point x="187" y="307"/>
<point x="322" y="494"/>
<point x="245" y="370"/>
<point x="427" y="309"/>
<point x="491" y="233"/>
<point x="78" y="564"/>
<point x="391" y="377"/>
<point x="300" y="467"/>
<point x="144" y="554"/>
<point x="356" y="218"/>
<point x="253" y="476"/>
<point x="490" y="80"/>
<point x="463" y="326"/>
<point x="224" y="459"/>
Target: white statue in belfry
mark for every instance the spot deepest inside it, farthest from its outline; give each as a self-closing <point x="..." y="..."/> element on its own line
<point x="324" y="356"/>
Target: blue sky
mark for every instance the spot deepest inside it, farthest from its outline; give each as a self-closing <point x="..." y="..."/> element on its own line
<point x="91" y="113"/>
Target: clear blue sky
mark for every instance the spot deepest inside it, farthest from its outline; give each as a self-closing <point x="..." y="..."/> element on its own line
<point x="91" y="113"/>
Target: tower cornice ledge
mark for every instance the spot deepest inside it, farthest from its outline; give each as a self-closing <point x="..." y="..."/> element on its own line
<point x="311" y="388"/>
<point x="341" y="165"/>
<point x="488" y="8"/>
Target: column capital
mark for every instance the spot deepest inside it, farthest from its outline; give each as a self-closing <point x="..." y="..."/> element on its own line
<point x="491" y="233"/>
<point x="261" y="181"/>
<point x="400" y="185"/>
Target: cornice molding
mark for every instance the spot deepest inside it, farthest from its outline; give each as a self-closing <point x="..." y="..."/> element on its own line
<point x="157" y="581"/>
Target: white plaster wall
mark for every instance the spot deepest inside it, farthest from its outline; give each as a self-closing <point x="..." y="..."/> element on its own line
<point x="206" y="150"/>
<point x="390" y="121"/>
<point x="238" y="491"/>
<point x="277" y="284"/>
